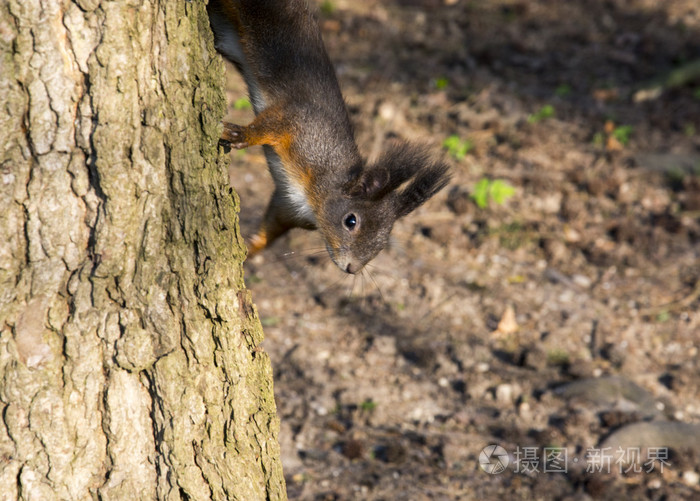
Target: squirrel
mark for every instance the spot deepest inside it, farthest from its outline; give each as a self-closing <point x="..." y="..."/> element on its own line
<point x="321" y="181"/>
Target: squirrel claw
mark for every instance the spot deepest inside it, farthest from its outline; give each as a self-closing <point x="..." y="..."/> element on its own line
<point x="234" y="136"/>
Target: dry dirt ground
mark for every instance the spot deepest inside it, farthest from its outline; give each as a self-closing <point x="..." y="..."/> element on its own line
<point x="562" y="324"/>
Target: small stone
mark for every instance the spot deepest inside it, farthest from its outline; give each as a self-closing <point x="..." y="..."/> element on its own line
<point x="691" y="478"/>
<point x="387" y="111"/>
<point x="524" y="410"/>
<point x="504" y="393"/>
<point x="571" y="235"/>
<point x="481" y="367"/>
<point x="654" y="483"/>
<point x="582" y="281"/>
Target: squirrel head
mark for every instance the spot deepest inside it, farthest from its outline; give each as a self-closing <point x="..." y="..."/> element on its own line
<point x="357" y="221"/>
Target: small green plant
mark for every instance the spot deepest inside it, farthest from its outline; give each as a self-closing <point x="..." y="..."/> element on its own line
<point x="327" y="7"/>
<point x="368" y="406"/>
<point x="558" y="357"/>
<point x="441" y="83"/>
<point x="497" y="190"/>
<point x="242" y="104"/>
<point x="696" y="93"/>
<point x="563" y="90"/>
<point x="689" y="130"/>
<point x="623" y="133"/>
<point x="547" y="111"/>
<point x="457" y="147"/>
<point x="663" y="316"/>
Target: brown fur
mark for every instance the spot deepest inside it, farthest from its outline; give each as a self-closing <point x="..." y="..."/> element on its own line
<point x="321" y="180"/>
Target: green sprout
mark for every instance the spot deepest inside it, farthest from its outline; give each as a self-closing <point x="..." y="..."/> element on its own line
<point x="368" y="406"/>
<point x="547" y="111"/>
<point x="623" y="133"/>
<point x="242" y="104"/>
<point x="663" y="316"/>
<point x="497" y="190"/>
<point x="563" y="90"/>
<point x="441" y="83"/>
<point x="327" y="7"/>
<point x="558" y="356"/>
<point x="457" y="147"/>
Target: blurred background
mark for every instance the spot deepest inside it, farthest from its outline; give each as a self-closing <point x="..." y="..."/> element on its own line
<point x="547" y="300"/>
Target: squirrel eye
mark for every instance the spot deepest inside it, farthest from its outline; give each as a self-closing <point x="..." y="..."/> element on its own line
<point x="350" y="221"/>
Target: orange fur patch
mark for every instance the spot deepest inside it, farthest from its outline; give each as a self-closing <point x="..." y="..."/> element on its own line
<point x="257" y="242"/>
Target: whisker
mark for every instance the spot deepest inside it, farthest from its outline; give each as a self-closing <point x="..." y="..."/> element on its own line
<point x="333" y="285"/>
<point x="371" y="277"/>
<point x="301" y="253"/>
<point x="352" y="289"/>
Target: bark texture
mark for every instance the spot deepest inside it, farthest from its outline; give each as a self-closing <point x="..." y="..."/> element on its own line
<point x="129" y="359"/>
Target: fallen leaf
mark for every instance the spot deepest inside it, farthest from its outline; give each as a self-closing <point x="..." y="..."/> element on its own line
<point x="507" y="324"/>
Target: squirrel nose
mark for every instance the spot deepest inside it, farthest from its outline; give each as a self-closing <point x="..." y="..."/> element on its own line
<point x="352" y="268"/>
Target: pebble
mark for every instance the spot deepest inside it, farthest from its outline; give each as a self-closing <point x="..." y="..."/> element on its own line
<point x="654" y="483"/>
<point x="691" y="478"/>
<point x="387" y="111"/>
<point x="482" y="367"/>
<point x="525" y="411"/>
<point x="504" y="393"/>
<point x="582" y="281"/>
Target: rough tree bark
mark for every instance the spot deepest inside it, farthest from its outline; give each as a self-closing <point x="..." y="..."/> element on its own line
<point x="130" y="365"/>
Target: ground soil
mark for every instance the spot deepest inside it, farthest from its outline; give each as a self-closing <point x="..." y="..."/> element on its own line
<point x="557" y="318"/>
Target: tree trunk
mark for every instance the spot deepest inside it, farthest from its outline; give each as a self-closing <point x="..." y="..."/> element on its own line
<point x="130" y="365"/>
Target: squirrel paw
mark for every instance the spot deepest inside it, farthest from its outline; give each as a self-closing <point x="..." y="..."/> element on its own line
<point x="234" y="135"/>
<point x="257" y="243"/>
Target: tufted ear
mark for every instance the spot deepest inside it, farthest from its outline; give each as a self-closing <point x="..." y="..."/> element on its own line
<point x="406" y="169"/>
<point x="430" y="178"/>
<point x="372" y="184"/>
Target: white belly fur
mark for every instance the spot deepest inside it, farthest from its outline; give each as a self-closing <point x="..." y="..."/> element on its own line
<point x="294" y="192"/>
